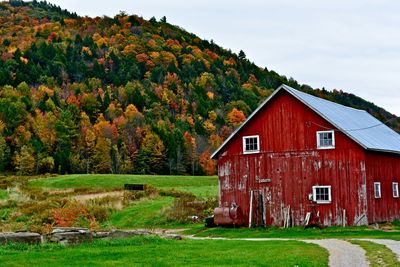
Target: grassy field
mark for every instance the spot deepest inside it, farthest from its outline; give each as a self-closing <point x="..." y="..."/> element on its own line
<point x="199" y="185"/>
<point x="145" y="213"/>
<point x="154" y="251"/>
<point x="33" y="201"/>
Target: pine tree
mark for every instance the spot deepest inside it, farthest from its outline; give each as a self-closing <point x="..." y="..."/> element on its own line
<point x="151" y="156"/>
<point x="4" y="153"/>
<point x="102" y="156"/>
<point x="24" y="161"/>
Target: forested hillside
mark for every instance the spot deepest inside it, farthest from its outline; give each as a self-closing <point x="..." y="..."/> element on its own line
<point x="122" y="94"/>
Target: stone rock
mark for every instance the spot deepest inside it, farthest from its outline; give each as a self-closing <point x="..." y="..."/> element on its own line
<point x="70" y="235"/>
<point x="104" y="234"/>
<point x="127" y="233"/>
<point x="20" y="237"/>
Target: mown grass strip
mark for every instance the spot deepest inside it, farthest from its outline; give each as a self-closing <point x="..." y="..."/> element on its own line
<point x="145" y="213"/>
<point x="295" y="232"/>
<point x="155" y="251"/>
<point x="378" y="255"/>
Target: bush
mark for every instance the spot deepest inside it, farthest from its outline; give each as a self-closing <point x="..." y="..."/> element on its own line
<point x="101" y="214"/>
<point x="188" y="209"/>
<point x="73" y="214"/>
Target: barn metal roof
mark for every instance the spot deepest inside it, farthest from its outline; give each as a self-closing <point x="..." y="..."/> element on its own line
<point x="357" y="124"/>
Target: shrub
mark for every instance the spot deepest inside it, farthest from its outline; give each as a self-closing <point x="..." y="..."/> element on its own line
<point x="101" y="214"/>
<point x="70" y="214"/>
<point x="188" y="208"/>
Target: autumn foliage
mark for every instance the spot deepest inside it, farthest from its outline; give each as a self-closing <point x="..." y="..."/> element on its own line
<point x="235" y="117"/>
<point x="117" y="95"/>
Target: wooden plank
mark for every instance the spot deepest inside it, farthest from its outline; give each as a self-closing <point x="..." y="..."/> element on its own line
<point x="251" y="208"/>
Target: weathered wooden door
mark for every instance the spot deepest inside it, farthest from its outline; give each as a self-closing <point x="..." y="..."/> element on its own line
<point x="257" y="208"/>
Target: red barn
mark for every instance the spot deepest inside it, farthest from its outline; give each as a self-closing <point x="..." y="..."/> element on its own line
<point x="298" y="153"/>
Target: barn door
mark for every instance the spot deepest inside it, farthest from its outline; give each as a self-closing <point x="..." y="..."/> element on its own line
<point x="257" y="208"/>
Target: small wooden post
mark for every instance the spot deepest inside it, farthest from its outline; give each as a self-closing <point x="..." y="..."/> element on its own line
<point x="307" y="219"/>
<point x="284" y="217"/>
<point x="344" y="217"/>
<point x="251" y="208"/>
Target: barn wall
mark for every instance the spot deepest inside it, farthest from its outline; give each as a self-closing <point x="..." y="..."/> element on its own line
<point x="383" y="168"/>
<point x="289" y="165"/>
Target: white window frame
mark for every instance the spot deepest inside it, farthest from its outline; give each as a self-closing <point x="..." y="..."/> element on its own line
<point x="244" y="144"/>
<point x="377" y="190"/>
<point x="314" y="194"/>
<point x="326" y="147"/>
<point x="395" y="189"/>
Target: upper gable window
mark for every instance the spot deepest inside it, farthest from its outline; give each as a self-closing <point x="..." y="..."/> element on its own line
<point x="326" y="139"/>
<point x="251" y="144"/>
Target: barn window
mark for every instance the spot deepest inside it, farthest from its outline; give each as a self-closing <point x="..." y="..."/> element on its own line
<point x="325" y="139"/>
<point x="377" y="190"/>
<point x="251" y="144"/>
<point x="322" y="194"/>
<point x="395" y="187"/>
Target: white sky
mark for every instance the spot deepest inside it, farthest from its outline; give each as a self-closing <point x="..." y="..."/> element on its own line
<point x="349" y="45"/>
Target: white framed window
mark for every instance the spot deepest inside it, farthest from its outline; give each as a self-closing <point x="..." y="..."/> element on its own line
<point x="322" y="194"/>
<point x="325" y="139"/>
<point x="377" y="189"/>
<point x="395" y="189"/>
<point x="251" y="144"/>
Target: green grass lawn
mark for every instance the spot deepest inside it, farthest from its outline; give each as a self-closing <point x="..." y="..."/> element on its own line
<point x="295" y="232"/>
<point x="199" y="185"/>
<point x="154" y="251"/>
<point x="145" y="213"/>
<point x="377" y="254"/>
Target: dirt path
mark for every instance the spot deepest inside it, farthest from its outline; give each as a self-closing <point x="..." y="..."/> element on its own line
<point x="116" y="203"/>
<point x="341" y="253"/>
<point x="85" y="197"/>
<point x="391" y="244"/>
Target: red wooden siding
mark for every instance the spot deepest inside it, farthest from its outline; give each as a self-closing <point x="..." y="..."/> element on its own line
<point x="383" y="168"/>
<point x="289" y="164"/>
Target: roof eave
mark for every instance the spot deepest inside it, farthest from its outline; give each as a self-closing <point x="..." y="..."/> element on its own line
<point x="384" y="150"/>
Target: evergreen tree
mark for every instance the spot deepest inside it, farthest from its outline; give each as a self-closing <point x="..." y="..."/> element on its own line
<point x="24" y="161"/>
<point x="150" y="158"/>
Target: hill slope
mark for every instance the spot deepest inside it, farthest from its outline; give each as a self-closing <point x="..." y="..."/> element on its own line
<point x="122" y="94"/>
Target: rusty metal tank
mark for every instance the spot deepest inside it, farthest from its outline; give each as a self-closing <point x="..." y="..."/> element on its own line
<point x="228" y="216"/>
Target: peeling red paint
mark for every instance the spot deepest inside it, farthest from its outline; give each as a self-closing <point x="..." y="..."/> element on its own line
<point x="289" y="165"/>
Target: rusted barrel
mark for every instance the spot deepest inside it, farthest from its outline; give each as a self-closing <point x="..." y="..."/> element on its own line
<point x="225" y="216"/>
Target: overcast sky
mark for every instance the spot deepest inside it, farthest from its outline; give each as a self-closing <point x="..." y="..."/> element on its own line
<point x="349" y="45"/>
